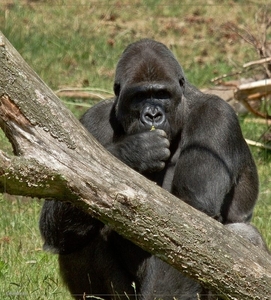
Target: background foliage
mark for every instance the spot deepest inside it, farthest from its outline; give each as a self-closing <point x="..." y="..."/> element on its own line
<point x="73" y="43"/>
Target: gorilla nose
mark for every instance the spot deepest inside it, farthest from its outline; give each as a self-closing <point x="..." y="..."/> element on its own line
<point x="152" y="115"/>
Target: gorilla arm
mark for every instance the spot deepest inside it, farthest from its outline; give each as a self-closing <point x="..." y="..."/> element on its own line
<point x="60" y="235"/>
<point x="215" y="172"/>
<point x="144" y="151"/>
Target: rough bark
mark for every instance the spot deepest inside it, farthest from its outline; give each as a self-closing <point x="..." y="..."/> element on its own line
<point x="56" y="157"/>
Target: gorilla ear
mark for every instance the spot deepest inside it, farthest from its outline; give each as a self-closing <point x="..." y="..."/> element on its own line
<point x="117" y="89"/>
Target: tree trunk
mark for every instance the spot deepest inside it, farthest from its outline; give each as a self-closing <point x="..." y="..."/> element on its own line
<point x="56" y="157"/>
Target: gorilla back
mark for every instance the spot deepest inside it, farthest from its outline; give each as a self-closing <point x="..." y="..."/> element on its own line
<point x="188" y="142"/>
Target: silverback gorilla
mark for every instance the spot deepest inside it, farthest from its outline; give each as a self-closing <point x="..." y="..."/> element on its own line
<point x="188" y="142"/>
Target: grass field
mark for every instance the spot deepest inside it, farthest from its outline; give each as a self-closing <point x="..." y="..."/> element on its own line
<point x="77" y="44"/>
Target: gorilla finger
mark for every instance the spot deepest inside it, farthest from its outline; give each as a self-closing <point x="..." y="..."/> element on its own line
<point x="161" y="132"/>
<point x="166" y="154"/>
<point x="166" y="143"/>
<point x="160" y="166"/>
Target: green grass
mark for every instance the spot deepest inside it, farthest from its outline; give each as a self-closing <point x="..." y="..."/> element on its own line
<point x="71" y="44"/>
<point x="77" y="44"/>
<point x="26" y="272"/>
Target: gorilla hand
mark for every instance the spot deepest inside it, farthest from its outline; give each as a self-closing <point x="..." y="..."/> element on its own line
<point x="145" y="151"/>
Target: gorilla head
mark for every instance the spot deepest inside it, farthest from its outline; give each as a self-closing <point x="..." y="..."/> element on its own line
<point x="148" y="91"/>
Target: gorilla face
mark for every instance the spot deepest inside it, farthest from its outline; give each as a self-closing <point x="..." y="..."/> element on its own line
<point x="149" y="88"/>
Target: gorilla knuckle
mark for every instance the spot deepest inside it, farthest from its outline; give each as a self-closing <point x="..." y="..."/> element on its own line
<point x="161" y="166"/>
<point x="166" y="143"/>
<point x="161" y="132"/>
<point x="166" y="154"/>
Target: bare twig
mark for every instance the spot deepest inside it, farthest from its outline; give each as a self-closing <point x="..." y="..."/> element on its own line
<point x="86" y="93"/>
<point x="88" y="89"/>
<point x="257" y="144"/>
<point x="257" y="62"/>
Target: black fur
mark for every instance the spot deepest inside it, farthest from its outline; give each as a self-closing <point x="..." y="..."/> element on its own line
<point x="188" y="142"/>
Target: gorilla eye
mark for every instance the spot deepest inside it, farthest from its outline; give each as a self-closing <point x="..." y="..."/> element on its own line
<point x="182" y="82"/>
<point x="162" y="94"/>
<point x="117" y="89"/>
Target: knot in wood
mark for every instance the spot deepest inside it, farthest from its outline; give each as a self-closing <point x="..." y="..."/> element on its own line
<point x="122" y="198"/>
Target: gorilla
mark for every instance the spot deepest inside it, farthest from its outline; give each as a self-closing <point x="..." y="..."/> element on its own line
<point x="187" y="142"/>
